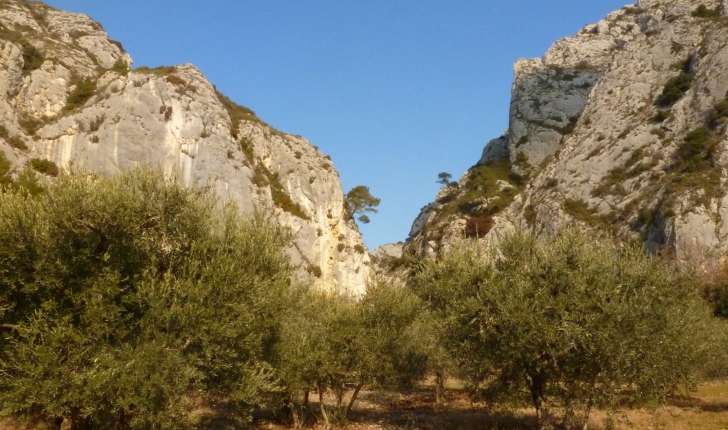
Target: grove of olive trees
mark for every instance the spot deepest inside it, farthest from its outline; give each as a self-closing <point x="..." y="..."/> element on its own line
<point x="133" y="302"/>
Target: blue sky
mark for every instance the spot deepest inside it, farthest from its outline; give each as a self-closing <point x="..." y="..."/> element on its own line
<point x="394" y="91"/>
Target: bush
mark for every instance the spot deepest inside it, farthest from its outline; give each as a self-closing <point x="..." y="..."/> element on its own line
<point x="17" y="142"/>
<point x="32" y="57"/>
<point x="175" y="80"/>
<point x="83" y="91"/>
<point x="236" y="113"/>
<point x="695" y="142"/>
<point x="719" y="113"/>
<point x="136" y="298"/>
<point x="551" y="183"/>
<point x="675" y="89"/>
<point x="45" y="167"/>
<point x="30" y="124"/>
<point x="661" y="116"/>
<point x="695" y="152"/>
<point x="572" y="320"/>
<point x="120" y="67"/>
<point x="246" y="145"/>
<point x="314" y="270"/>
<point x="703" y="12"/>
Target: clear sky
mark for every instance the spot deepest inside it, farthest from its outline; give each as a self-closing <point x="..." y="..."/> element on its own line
<point x="395" y="91"/>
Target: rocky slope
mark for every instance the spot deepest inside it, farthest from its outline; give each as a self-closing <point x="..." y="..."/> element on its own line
<point x="620" y="127"/>
<point x="71" y="100"/>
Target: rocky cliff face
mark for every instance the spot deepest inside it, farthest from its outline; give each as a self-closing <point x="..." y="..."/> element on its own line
<point x="71" y="99"/>
<point x="621" y="127"/>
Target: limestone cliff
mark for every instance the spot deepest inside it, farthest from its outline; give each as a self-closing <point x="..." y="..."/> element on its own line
<point x="620" y="127"/>
<point x="71" y="99"/>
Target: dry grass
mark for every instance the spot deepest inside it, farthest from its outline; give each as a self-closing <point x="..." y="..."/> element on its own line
<point x="705" y="409"/>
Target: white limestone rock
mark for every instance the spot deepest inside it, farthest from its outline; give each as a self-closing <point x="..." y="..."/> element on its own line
<point x="584" y="118"/>
<point x="171" y="118"/>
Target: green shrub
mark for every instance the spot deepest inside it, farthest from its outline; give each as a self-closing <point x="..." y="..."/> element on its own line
<point x="17" y="142"/>
<point x="637" y="155"/>
<point x="120" y="67"/>
<point x="30" y="124"/>
<point x="577" y="208"/>
<point x="718" y="114"/>
<point x="569" y="322"/>
<point x="675" y="89"/>
<point x="157" y="71"/>
<point x="551" y="183"/>
<point x="480" y="184"/>
<point x="236" y="113"/>
<point x="698" y="144"/>
<point x="45" y="167"/>
<point x="95" y="124"/>
<point x="83" y="91"/>
<point x="32" y="57"/>
<point x="703" y="12"/>
<point x="175" y="80"/>
<point x="136" y="294"/>
<point x="6" y="166"/>
<point x="263" y="177"/>
<point x="246" y="145"/>
<point x="359" y="248"/>
<point x="117" y="44"/>
<point x="522" y="141"/>
<point x="522" y="160"/>
<point x="661" y="116"/>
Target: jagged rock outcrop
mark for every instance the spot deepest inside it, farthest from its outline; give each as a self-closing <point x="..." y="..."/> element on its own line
<point x="71" y="99"/>
<point x="621" y="127"/>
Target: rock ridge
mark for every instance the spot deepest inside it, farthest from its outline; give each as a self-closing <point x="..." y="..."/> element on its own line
<point x="70" y="98"/>
<point x="621" y="127"/>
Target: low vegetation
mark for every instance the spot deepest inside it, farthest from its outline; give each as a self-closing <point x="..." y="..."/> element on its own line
<point x="16" y="142"/>
<point x="702" y="11"/>
<point x="675" y="89"/>
<point x="486" y="190"/>
<point x="45" y="167"/>
<point x="25" y="184"/>
<point x="120" y="67"/>
<point x="83" y="90"/>
<point x="33" y="58"/>
<point x="236" y="113"/>
<point x="152" y="308"/>
<point x="262" y="177"/>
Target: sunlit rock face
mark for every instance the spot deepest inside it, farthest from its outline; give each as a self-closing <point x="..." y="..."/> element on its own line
<point x="70" y="97"/>
<point x="596" y="142"/>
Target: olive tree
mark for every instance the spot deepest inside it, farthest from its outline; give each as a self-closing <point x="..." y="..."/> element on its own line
<point x="127" y="299"/>
<point x="340" y="344"/>
<point x="574" y="320"/>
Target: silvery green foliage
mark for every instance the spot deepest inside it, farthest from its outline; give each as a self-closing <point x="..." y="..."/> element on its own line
<point x="127" y="298"/>
<point x="574" y="320"/>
